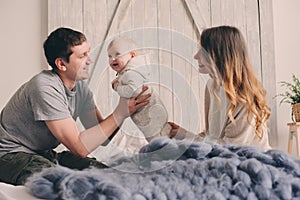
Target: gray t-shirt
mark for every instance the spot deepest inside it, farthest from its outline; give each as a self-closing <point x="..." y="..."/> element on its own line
<point x="44" y="97"/>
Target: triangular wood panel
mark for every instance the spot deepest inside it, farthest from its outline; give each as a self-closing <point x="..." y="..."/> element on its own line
<point x="170" y="30"/>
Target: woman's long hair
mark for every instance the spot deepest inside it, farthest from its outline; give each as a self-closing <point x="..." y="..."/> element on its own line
<point x="228" y="56"/>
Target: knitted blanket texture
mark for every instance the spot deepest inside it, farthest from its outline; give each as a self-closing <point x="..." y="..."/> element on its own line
<point x="172" y="169"/>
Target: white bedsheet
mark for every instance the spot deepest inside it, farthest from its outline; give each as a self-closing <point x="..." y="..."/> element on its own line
<point x="121" y="145"/>
<point x="11" y="192"/>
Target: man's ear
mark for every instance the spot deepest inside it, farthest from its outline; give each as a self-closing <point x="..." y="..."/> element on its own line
<point x="133" y="54"/>
<point x="60" y="64"/>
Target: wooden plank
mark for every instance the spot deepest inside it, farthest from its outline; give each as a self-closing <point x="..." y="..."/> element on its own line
<point x="119" y="17"/>
<point x="200" y="79"/>
<point x="238" y="14"/>
<point x="97" y="15"/>
<point x="74" y="17"/>
<point x="199" y="14"/>
<point x="125" y="24"/>
<point x="216" y="13"/>
<point x="229" y="12"/>
<point x="180" y="87"/>
<point x="150" y="13"/>
<point x="188" y="50"/>
<point x="119" y="22"/>
<point x="54" y="15"/>
<point x="112" y="29"/>
<point x="243" y="15"/>
<point x="188" y="32"/>
<point x="59" y="16"/>
<point x="112" y="6"/>
<point x="204" y="6"/>
<point x="95" y="18"/>
<point x="268" y="63"/>
<point x="138" y="20"/>
<point x="194" y="11"/>
<point x="151" y="40"/>
<point x="164" y="55"/>
<point x="252" y="36"/>
<point x="95" y="21"/>
<point x="250" y="16"/>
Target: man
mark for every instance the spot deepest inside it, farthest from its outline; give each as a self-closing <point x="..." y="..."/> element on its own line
<point x="42" y="113"/>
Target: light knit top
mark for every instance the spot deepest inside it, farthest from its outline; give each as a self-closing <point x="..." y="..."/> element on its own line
<point x="220" y="129"/>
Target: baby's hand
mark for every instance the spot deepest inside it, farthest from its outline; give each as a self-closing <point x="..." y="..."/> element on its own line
<point x="115" y="84"/>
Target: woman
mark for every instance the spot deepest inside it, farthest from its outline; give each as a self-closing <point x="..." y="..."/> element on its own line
<point x="235" y="101"/>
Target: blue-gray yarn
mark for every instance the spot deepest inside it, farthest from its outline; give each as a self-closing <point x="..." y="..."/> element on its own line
<point x="173" y="169"/>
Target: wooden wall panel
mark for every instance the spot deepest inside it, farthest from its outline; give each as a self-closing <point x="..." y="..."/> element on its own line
<point x="164" y="56"/>
<point x="68" y="13"/>
<point x="178" y="64"/>
<point x="170" y="29"/>
<point x="191" y="74"/>
<point x="252" y="36"/>
<point x="268" y="62"/>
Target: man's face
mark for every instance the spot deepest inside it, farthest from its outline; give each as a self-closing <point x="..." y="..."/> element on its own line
<point x="78" y="66"/>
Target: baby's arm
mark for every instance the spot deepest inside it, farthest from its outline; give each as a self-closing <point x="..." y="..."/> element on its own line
<point x="115" y="84"/>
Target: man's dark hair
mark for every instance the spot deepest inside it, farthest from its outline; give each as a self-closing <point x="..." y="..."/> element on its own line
<point x="59" y="43"/>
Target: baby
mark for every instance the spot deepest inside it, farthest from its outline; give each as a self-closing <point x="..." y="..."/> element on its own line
<point x="132" y="73"/>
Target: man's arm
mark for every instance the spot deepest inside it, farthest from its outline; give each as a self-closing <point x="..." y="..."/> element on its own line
<point x="92" y="118"/>
<point x="65" y="130"/>
<point x="83" y="143"/>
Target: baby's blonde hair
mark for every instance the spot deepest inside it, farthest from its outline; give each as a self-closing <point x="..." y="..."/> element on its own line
<point x="128" y="42"/>
<point x="231" y="68"/>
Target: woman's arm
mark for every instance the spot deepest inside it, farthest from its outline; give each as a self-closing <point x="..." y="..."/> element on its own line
<point x="180" y="133"/>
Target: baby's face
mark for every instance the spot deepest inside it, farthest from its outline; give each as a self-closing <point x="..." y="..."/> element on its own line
<point x="118" y="57"/>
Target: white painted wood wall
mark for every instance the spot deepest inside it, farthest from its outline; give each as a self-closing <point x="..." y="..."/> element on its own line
<point x="169" y="30"/>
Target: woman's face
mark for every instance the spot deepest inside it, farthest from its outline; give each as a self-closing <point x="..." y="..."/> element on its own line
<point x="204" y="66"/>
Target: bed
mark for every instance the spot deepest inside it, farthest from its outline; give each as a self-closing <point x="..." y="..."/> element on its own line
<point x="173" y="169"/>
<point x="11" y="192"/>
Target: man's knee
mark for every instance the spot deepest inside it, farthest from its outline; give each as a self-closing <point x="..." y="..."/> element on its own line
<point x="73" y="161"/>
<point x="15" y="168"/>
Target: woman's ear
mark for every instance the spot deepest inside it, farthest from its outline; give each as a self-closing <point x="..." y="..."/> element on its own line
<point x="133" y="54"/>
<point x="60" y="64"/>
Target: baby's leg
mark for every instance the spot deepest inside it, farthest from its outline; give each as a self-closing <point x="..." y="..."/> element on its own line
<point x="165" y="131"/>
<point x="152" y="119"/>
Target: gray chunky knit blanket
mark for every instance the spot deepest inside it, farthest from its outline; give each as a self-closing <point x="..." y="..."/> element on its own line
<point x="171" y="169"/>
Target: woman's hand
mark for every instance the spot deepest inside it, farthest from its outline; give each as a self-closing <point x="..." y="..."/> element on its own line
<point x="176" y="131"/>
<point x="127" y="107"/>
